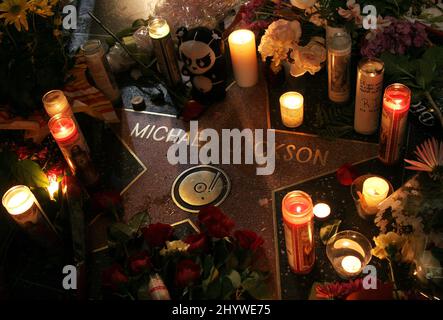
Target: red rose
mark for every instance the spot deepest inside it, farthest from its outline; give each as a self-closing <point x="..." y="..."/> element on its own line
<point x="113" y="277"/>
<point x="217" y="224"/>
<point x="197" y="242"/>
<point x="187" y="272"/>
<point x="157" y="234"/>
<point x="248" y="240"/>
<point x="139" y="262"/>
<point x="346" y="174"/>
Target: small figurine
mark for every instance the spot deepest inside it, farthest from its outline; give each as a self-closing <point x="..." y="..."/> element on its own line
<point x="203" y="53"/>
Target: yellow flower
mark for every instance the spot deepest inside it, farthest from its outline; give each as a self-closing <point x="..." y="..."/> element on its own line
<point x="41" y="7"/>
<point x="14" y="12"/>
<point x="385" y="240"/>
<point x="174" y="246"/>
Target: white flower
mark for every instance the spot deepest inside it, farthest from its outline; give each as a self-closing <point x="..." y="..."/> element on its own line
<point x="280" y="37"/>
<point x="381" y="25"/>
<point x="174" y="246"/>
<point x="352" y="13"/>
<point x="308" y="58"/>
<point x="303" y="4"/>
<point x="385" y="240"/>
<point x="315" y="17"/>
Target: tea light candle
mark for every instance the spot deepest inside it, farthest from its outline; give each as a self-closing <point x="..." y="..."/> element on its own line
<point x="244" y="57"/>
<point x="322" y="210"/>
<point x="291" y="108"/>
<point x="396" y="104"/>
<point x="351" y="264"/>
<point x="55" y="102"/>
<point x="375" y="190"/>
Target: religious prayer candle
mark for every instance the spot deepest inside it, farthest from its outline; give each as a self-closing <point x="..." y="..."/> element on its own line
<point x="167" y="61"/>
<point x="368" y="95"/>
<point x="396" y="104"/>
<point x="339" y="62"/>
<point x="100" y="70"/>
<point x="375" y="190"/>
<point x="73" y="147"/>
<point x="55" y="102"/>
<point x="243" y="51"/>
<point x="298" y="218"/>
<point x="23" y="207"/>
<point x="291" y="108"/>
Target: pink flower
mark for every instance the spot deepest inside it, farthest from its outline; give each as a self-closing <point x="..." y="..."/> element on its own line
<point x="352" y="13"/>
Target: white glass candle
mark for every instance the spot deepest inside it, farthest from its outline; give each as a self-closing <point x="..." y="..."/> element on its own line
<point x="375" y="190"/>
<point x="244" y="57"/>
<point x="291" y="108"/>
<point x="18" y="200"/>
<point x="55" y="102"/>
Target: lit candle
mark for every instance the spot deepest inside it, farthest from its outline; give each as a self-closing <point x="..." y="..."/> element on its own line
<point x="55" y="102"/>
<point x="74" y="148"/>
<point x="160" y="33"/>
<point x="53" y="186"/>
<point x="368" y="95"/>
<point x="396" y="104"/>
<point x="322" y="210"/>
<point x="375" y="190"/>
<point x="244" y="57"/>
<point x="291" y="108"/>
<point x="351" y="265"/>
<point x="23" y="207"/>
<point x="298" y="218"/>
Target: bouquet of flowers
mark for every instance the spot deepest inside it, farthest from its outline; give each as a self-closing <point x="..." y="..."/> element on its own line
<point x="411" y="227"/>
<point x="214" y="264"/>
<point x="33" y="59"/>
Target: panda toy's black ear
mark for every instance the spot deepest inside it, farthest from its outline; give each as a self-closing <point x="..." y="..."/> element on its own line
<point x="181" y="34"/>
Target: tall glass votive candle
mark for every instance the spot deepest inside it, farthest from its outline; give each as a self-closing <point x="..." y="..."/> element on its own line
<point x="396" y="104"/>
<point x="74" y="148"/>
<point x="298" y="218"/>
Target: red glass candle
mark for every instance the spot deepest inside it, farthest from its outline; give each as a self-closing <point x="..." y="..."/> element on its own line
<point x="396" y="103"/>
<point x="298" y="218"/>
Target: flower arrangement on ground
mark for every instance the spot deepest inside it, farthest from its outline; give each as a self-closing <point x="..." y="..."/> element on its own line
<point x="214" y="264"/>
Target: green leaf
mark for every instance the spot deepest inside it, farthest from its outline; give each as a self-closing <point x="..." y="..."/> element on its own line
<point x="139" y="221"/>
<point x="425" y="72"/>
<point x="434" y="54"/>
<point x="121" y="232"/>
<point x="29" y="173"/>
<point x="235" y="278"/>
<point x="208" y="265"/>
<point x="398" y="66"/>
<point x="227" y="288"/>
<point x="329" y="230"/>
<point x="214" y="290"/>
<point x="256" y="286"/>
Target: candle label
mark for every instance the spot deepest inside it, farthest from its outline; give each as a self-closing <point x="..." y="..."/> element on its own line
<point x="368" y="102"/>
<point x="392" y="135"/>
<point x="300" y="246"/>
<point x="167" y="60"/>
<point x="339" y="77"/>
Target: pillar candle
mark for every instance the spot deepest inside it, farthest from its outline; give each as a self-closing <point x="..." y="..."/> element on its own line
<point x="291" y="107"/>
<point x="396" y="104"/>
<point x="375" y="190"/>
<point x="298" y="218"/>
<point x="368" y="95"/>
<point x="244" y="57"/>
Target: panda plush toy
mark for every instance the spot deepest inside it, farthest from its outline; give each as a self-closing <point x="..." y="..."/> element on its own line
<point x="202" y="52"/>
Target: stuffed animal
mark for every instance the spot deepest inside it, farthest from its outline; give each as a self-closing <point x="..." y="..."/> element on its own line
<point x="202" y="52"/>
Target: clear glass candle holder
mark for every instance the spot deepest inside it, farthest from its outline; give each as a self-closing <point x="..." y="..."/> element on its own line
<point x="363" y="210"/>
<point x="349" y="253"/>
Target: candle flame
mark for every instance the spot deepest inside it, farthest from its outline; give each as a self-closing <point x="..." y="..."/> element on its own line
<point x="53" y="186"/>
<point x="298" y="209"/>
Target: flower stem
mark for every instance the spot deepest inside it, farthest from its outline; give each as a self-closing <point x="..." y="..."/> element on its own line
<point x="435" y="107"/>
<point x="391" y="270"/>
